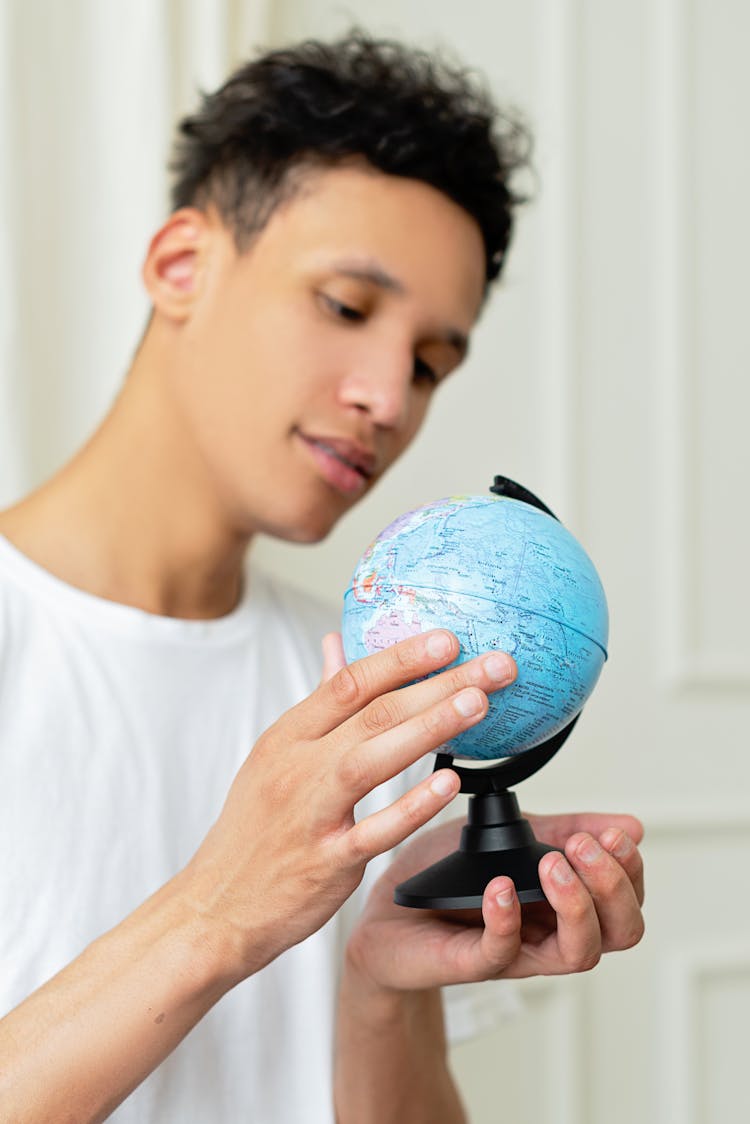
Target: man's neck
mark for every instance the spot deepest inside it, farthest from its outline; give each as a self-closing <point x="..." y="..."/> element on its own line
<point x="132" y="517"/>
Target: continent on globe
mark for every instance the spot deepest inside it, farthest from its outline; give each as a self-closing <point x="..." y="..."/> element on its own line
<point x="500" y="574"/>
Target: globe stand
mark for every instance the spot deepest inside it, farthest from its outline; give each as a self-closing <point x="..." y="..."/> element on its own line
<point x="496" y="839"/>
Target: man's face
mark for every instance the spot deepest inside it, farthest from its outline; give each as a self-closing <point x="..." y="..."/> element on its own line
<point x="308" y="361"/>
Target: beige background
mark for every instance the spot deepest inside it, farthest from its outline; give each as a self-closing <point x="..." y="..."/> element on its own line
<point x="609" y="374"/>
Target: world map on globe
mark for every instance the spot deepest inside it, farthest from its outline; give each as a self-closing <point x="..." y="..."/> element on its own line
<point x="500" y="574"/>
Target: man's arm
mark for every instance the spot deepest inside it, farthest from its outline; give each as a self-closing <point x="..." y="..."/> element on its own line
<point x="391" y="1056"/>
<point x="282" y="857"/>
<point x="80" y="1044"/>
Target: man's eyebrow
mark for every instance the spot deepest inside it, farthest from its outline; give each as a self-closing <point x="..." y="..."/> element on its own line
<point x="376" y="275"/>
<point x="369" y="271"/>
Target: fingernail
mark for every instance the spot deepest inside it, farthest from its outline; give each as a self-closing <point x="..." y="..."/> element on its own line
<point x="589" y="851"/>
<point x="498" y="666"/>
<point x="504" y="899"/>
<point x="618" y="843"/>
<point x="562" y="873"/>
<point x="439" y="645"/>
<point x="468" y="703"/>
<point x="444" y="783"/>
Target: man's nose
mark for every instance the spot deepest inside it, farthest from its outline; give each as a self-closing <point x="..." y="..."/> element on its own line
<point x="381" y="387"/>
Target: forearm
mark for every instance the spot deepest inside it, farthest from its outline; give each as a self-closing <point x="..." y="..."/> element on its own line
<point x="391" y="1057"/>
<point x="81" y="1043"/>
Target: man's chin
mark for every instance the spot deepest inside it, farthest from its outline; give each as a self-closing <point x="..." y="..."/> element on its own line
<point x="303" y="533"/>
<point x="303" y="538"/>
<point x="307" y="521"/>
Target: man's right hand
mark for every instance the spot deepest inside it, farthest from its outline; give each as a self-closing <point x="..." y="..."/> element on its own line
<point x="286" y="852"/>
<point x="279" y="861"/>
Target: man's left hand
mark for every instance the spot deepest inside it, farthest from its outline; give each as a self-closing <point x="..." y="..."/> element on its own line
<point x="594" y="895"/>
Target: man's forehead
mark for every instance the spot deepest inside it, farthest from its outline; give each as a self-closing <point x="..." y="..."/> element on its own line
<point x="352" y="189"/>
<point x="395" y="233"/>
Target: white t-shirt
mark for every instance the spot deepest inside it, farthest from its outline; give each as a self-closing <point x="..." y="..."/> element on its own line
<point x="120" y="734"/>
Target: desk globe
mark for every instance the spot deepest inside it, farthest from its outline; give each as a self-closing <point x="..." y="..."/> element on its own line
<point x="501" y="572"/>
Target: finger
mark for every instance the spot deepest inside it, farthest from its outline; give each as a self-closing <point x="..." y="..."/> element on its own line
<point x="355" y="685"/>
<point x="557" y="829"/>
<point x="578" y="942"/>
<point x="333" y="655"/>
<point x="614" y="898"/>
<point x="621" y="846"/>
<point x="501" y="939"/>
<point x="378" y="745"/>
<point x="470" y="952"/>
<point x="488" y="672"/>
<point x="387" y="828"/>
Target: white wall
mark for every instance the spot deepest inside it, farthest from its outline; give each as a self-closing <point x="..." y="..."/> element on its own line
<point x="609" y="375"/>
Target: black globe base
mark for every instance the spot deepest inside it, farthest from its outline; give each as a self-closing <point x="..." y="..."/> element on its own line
<point x="496" y="840"/>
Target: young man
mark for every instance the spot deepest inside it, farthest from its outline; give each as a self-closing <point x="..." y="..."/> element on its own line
<point x="339" y="214"/>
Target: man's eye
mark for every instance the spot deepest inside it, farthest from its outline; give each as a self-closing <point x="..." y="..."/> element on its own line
<point x="343" y="311"/>
<point x="424" y="372"/>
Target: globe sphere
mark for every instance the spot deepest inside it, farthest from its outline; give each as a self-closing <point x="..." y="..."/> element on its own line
<point x="500" y="574"/>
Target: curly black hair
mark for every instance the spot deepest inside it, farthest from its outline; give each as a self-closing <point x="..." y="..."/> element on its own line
<point x="401" y="110"/>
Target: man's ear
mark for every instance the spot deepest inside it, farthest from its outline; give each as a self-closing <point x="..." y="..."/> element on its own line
<point x="175" y="262"/>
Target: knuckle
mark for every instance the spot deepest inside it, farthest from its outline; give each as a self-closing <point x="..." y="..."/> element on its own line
<point x="435" y="721"/>
<point x="613" y="882"/>
<point x="590" y="962"/>
<point x="456" y="678"/>
<point x="619" y="887"/>
<point x="412" y="809"/>
<point x="380" y="715"/>
<point x="358" y="852"/>
<point x="578" y="913"/>
<point x="405" y="658"/>
<point x="510" y="952"/>
<point x="470" y="673"/>
<point x="353" y="772"/>
<point x="587" y="960"/>
<point x="345" y="686"/>
<point x="633" y="935"/>
<point x="635" y="869"/>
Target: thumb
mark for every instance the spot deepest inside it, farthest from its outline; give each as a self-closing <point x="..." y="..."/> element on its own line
<point x="333" y="655"/>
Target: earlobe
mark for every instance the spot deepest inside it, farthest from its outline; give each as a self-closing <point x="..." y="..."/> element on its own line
<point x="174" y="262"/>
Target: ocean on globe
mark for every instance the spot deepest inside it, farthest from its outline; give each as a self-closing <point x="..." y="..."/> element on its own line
<point x="500" y="574"/>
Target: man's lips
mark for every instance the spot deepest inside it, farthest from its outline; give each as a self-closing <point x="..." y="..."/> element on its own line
<point x="345" y="465"/>
<point x="348" y="452"/>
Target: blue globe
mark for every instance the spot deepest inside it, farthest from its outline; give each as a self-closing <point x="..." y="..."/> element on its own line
<point x="498" y="573"/>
